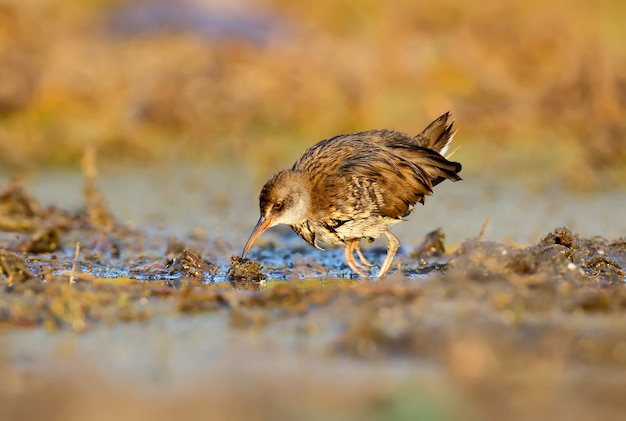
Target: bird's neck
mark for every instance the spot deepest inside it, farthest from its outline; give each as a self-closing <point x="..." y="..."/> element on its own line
<point x="300" y="208"/>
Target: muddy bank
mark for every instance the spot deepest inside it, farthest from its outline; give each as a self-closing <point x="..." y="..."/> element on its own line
<point x="52" y="257"/>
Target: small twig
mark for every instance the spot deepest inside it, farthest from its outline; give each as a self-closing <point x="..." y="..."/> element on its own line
<point x="453" y="152"/>
<point x="484" y="228"/>
<point x="88" y="163"/>
<point x="73" y="272"/>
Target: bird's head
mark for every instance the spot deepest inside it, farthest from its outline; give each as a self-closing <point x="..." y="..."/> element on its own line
<point x="284" y="199"/>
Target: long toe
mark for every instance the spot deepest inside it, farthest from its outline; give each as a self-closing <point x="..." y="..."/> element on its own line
<point x="357" y="270"/>
<point x="361" y="266"/>
<point x="352" y="263"/>
<point x="361" y="257"/>
<point x="392" y="248"/>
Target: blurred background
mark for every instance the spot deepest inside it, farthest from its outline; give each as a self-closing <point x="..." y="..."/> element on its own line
<point x="536" y="87"/>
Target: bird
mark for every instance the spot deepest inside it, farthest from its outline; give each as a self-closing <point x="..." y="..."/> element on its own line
<point x="354" y="186"/>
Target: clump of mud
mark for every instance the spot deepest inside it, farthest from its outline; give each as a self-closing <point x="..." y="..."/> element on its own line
<point x="560" y="256"/>
<point x="432" y="246"/>
<point x="242" y="269"/>
<point x="14" y="267"/>
<point x="189" y="265"/>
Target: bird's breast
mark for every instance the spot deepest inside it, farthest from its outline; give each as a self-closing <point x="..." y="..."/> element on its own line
<point x="369" y="227"/>
<point x="333" y="233"/>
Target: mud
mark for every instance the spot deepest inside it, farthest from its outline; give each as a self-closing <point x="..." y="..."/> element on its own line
<point x="50" y="252"/>
<point x="488" y="320"/>
<point x="242" y="269"/>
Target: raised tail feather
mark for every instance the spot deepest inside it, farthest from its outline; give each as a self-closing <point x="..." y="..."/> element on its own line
<point x="438" y="135"/>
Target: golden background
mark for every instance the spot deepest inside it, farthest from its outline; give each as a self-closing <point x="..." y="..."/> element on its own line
<point x="536" y="87"/>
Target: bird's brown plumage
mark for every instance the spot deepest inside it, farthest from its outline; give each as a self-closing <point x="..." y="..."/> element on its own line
<point x="356" y="186"/>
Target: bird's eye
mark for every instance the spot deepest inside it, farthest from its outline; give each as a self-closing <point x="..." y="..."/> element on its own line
<point x="278" y="205"/>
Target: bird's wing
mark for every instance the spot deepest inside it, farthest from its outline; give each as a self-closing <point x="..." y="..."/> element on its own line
<point x="380" y="172"/>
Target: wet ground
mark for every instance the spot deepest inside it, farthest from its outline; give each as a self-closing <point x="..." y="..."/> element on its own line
<point x="127" y="284"/>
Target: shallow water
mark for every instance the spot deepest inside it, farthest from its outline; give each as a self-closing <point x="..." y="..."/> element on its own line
<point x="224" y="204"/>
<point x="218" y="208"/>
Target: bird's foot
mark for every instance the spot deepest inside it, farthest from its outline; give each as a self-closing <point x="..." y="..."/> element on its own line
<point x="358" y="268"/>
<point x="362" y="258"/>
<point x="362" y="267"/>
<point x="392" y="248"/>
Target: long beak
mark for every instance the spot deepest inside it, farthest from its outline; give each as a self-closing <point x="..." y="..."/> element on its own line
<point x="261" y="226"/>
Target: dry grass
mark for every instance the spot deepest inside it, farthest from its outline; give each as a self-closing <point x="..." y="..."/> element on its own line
<point x="539" y="86"/>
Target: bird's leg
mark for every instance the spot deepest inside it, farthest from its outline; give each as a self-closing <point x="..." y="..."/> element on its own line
<point x="354" y="245"/>
<point x="363" y="264"/>
<point x="392" y="248"/>
<point x="351" y="245"/>
<point x="352" y="263"/>
<point x="357" y="248"/>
